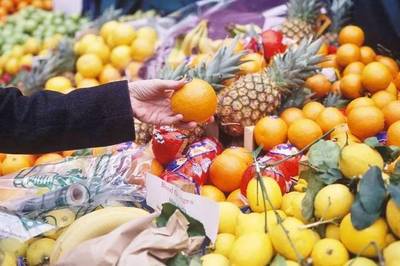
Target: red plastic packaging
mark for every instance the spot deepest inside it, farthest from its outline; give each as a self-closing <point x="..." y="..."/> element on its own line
<point x="168" y="143"/>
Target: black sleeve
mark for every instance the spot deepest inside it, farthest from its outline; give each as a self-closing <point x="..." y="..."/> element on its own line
<point x="50" y="121"/>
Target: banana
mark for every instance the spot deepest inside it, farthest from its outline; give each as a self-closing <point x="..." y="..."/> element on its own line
<point x="14" y="246"/>
<point x="7" y="259"/>
<point x="205" y="45"/>
<point x="93" y="225"/>
<point x="188" y="43"/>
<point x="196" y="38"/>
<point x="60" y="218"/>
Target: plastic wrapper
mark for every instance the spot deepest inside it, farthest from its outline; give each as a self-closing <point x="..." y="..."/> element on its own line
<point x="168" y="143"/>
<point x="192" y="170"/>
<point x="79" y="183"/>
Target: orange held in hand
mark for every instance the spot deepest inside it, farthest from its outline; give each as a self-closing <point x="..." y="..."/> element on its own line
<point x="270" y="131"/>
<point x="196" y="101"/>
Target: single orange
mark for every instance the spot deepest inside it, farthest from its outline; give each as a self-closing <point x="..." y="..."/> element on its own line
<point x="336" y="87"/>
<point x="329" y="118"/>
<point x="359" y="102"/>
<point x="351" y="34"/>
<point x="16" y="162"/>
<point x="351" y="86"/>
<point x="367" y="55"/>
<point x="48" y="158"/>
<point x="226" y="172"/>
<point x="347" y="53"/>
<point x="330" y="61"/>
<point x="236" y="198"/>
<point x="383" y="98"/>
<point x="354" y="68"/>
<point x="366" y="121"/>
<point x="392" y="89"/>
<point x="242" y="153"/>
<point x="270" y="131"/>
<point x="312" y="109"/>
<point x="390" y="63"/>
<point x="212" y="193"/>
<point x="303" y="132"/>
<point x="156" y="168"/>
<point x="391" y="112"/>
<point x="375" y="77"/>
<point x="291" y="114"/>
<point x="196" y="101"/>
<point x="393" y="134"/>
<point x="319" y="84"/>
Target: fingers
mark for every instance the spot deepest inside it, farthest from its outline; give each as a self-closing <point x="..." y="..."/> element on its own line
<point x="177" y="121"/>
<point x="186" y="125"/>
<point x="169" y="85"/>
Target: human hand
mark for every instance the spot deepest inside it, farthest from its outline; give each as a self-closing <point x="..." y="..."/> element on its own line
<point x="151" y="102"/>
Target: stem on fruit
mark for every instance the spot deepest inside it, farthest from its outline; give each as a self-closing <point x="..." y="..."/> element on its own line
<point x="311" y="225"/>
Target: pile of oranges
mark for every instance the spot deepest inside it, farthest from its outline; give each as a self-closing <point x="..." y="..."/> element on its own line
<point x="8" y="7"/>
<point x="369" y="81"/>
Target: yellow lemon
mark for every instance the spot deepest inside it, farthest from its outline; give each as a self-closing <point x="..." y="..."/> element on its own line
<point x="389" y="239"/>
<point x="345" y="138"/>
<point x="26" y="60"/>
<point x="356" y="241"/>
<point x="251" y="249"/>
<point x="148" y="33"/>
<point x="85" y="42"/>
<point x="392" y="254"/>
<point x="360" y="261"/>
<point x="122" y="34"/>
<point x="120" y="57"/>
<point x="357" y="158"/>
<point x="333" y="201"/>
<point x="32" y="46"/>
<point x="212" y="193"/>
<point x="250" y="223"/>
<point x="89" y="65"/>
<point x="292" y="205"/>
<point x="108" y="28"/>
<point x="214" y="260"/>
<point x="223" y="244"/>
<point x="303" y="239"/>
<point x="12" y="66"/>
<point x="332" y="231"/>
<point x="17" y="51"/>
<point x="273" y="217"/>
<point x="109" y="74"/>
<point x="78" y="77"/>
<point x="329" y="252"/>
<point x="142" y="49"/>
<point x="100" y="49"/>
<point x="61" y="218"/>
<point x="59" y="84"/>
<point x="39" y="251"/>
<point x="87" y="83"/>
<point x="228" y="214"/>
<point x="255" y="195"/>
<point x="393" y="217"/>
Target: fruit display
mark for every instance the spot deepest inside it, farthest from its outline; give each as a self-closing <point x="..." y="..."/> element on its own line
<point x="297" y="142"/>
<point x="8" y="7"/>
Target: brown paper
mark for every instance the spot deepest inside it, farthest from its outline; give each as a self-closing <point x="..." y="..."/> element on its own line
<point x="138" y="242"/>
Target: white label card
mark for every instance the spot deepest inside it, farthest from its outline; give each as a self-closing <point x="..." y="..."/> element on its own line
<point x="200" y="208"/>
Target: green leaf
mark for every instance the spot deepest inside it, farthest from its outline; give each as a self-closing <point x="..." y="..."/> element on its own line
<point x="83" y="152"/>
<point x="314" y="185"/>
<point x="359" y="217"/>
<point x="372" y="190"/>
<point x="395" y="176"/>
<point x="324" y="155"/>
<point x="195" y="261"/>
<point x="178" y="260"/>
<point x="257" y="151"/>
<point x="388" y="153"/>
<point x="394" y="191"/>
<point x="195" y="227"/>
<point x="330" y="176"/>
<point x="372" y="142"/>
<point x="278" y="261"/>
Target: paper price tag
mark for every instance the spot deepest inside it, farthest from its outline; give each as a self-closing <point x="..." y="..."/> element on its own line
<point x="200" y="208"/>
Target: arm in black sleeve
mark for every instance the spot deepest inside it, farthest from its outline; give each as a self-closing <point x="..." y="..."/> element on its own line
<point x="50" y="121"/>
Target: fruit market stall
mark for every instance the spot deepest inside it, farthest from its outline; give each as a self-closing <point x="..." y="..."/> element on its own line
<point x="294" y="159"/>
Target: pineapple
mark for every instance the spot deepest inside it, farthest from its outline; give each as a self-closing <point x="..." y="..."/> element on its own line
<point x="339" y="14"/>
<point x="143" y="132"/>
<point x="334" y="99"/>
<point x="302" y="15"/>
<point x="252" y="96"/>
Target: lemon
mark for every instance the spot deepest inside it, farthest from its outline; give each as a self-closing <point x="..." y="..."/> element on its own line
<point x="332" y="231"/>
<point x="100" y="49"/>
<point x="360" y="261"/>
<point x="86" y="41"/>
<point x="356" y="241"/>
<point x="79" y="49"/>
<point x="120" y="57"/>
<point x="12" y="66"/>
<point x="292" y="205"/>
<point x="356" y="158"/>
<point x="26" y="60"/>
<point x="329" y="252"/>
<point x="122" y="34"/>
<point x="393" y="217"/>
<point x="17" y="51"/>
<point x="89" y="65"/>
<point x="7" y="259"/>
<point x="14" y="246"/>
<point x="214" y="260"/>
<point x="58" y="83"/>
<point x="389" y="239"/>
<point x="61" y="218"/>
<point x="39" y="251"/>
<point x="228" y="215"/>
<point x="303" y="239"/>
<point x="291" y="263"/>
<point x="142" y="49"/>
<point x="343" y="139"/>
<point x="87" y="83"/>
<point x="223" y="244"/>
<point x="109" y="74"/>
<point x="32" y="46"/>
<point x="255" y="195"/>
<point x="148" y="33"/>
<point x="253" y="249"/>
<point x="132" y="70"/>
<point x="392" y="254"/>
<point x="273" y="217"/>
<point x="78" y="77"/>
<point x="333" y="201"/>
<point x="108" y="28"/>
<point x="212" y="193"/>
<point x="250" y="223"/>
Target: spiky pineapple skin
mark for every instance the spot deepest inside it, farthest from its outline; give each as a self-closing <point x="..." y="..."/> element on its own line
<point x="246" y="101"/>
<point x="297" y="29"/>
<point x="143" y="132"/>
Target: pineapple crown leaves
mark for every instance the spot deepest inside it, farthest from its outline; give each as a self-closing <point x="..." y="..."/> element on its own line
<point x="289" y="70"/>
<point x="296" y="98"/>
<point x="334" y="99"/>
<point x="178" y="73"/>
<point x="305" y="10"/>
<point x="340" y="13"/>
<point x="224" y="65"/>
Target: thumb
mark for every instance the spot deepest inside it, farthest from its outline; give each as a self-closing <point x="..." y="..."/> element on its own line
<point x="168" y="85"/>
